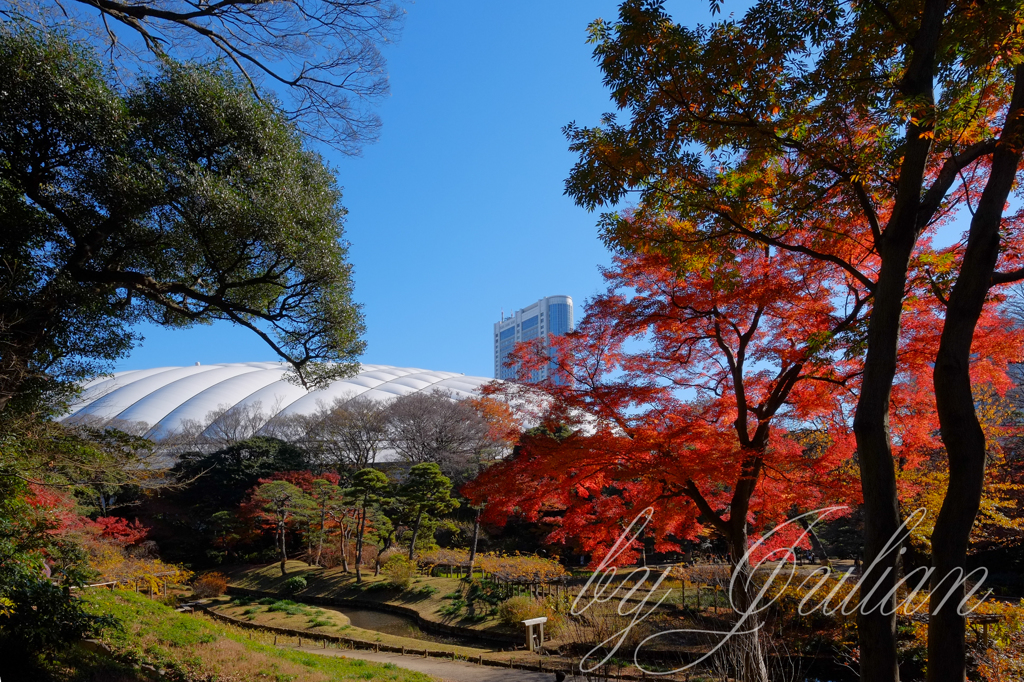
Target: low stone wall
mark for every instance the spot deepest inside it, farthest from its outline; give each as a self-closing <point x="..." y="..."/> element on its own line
<point x="412" y="614"/>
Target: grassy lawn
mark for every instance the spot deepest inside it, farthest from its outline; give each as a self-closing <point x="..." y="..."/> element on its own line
<point x="285" y="613"/>
<point x="443" y="600"/>
<point x="194" y="647"/>
<point x="288" y="614"/>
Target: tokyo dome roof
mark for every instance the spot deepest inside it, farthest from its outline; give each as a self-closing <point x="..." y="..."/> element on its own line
<point x="164" y="397"/>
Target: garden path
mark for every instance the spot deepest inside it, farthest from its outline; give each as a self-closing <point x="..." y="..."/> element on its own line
<point x="456" y="671"/>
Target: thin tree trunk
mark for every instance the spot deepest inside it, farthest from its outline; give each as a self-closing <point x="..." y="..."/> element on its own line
<point x="385" y="546"/>
<point x="359" y="545"/>
<point x="344" y="546"/>
<point x="751" y="655"/>
<point x="415" y="532"/>
<point x="876" y="630"/>
<point x="961" y="431"/>
<point x="284" y="551"/>
<point x="320" y="538"/>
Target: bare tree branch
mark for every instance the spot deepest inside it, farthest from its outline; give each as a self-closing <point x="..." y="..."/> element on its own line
<point x="323" y="55"/>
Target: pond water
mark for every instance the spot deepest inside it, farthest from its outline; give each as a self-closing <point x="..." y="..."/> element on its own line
<point x="402" y="626"/>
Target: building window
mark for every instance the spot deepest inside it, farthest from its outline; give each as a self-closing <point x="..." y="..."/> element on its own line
<point x="560" y="318"/>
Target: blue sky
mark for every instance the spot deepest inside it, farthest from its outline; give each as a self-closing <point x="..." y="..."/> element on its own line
<point x="458" y="210"/>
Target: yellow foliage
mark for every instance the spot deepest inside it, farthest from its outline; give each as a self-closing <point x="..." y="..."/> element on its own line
<point x="113" y="563"/>
<point x="1003" y="658"/>
<point x="998" y="514"/>
<point x="444" y="557"/>
<point x="521" y="569"/>
<point x="512" y="567"/>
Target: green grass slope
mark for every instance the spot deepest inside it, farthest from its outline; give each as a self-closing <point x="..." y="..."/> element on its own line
<point x="156" y="643"/>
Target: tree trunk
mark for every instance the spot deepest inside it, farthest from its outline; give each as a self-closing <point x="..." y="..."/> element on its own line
<point x="320" y="538"/>
<point x="385" y="546"/>
<point x="359" y="545"/>
<point x="961" y="431"/>
<point x="749" y="660"/>
<point x="476" y="539"/>
<point x="344" y="547"/>
<point x="284" y="551"/>
<point x="877" y="631"/>
<point x="415" y="532"/>
<point x="746" y="647"/>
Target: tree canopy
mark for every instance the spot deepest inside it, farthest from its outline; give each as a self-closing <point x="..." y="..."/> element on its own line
<point x="324" y="55"/>
<point x="180" y="200"/>
<point x="846" y="133"/>
<point x="426" y="492"/>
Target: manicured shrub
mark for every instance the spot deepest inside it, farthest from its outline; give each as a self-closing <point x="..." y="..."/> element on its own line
<point x="517" y="609"/>
<point x="294" y="584"/>
<point x="210" y="585"/>
<point x="399" y="572"/>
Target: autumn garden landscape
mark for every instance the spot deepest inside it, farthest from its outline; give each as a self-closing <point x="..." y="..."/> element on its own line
<point x="784" y="443"/>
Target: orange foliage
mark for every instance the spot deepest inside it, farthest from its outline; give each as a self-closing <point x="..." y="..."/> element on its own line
<point x="211" y="584"/>
<point x="715" y="385"/>
<point x="719" y="393"/>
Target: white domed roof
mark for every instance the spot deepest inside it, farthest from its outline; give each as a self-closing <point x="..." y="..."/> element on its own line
<point x="165" y="397"/>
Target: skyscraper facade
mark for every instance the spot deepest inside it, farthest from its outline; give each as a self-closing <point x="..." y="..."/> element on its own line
<point x="551" y="315"/>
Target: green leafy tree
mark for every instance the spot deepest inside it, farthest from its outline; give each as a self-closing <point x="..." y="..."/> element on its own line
<point x="280" y="503"/>
<point x="369" y="487"/>
<point x="181" y="200"/>
<point x="327" y="500"/>
<point x="222" y="478"/>
<point x="427" y="492"/>
<point x="381" y="532"/>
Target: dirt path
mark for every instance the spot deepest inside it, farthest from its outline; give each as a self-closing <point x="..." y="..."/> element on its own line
<point x="456" y="671"/>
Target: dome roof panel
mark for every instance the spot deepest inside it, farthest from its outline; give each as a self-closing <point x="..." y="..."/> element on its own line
<point x="388" y="392"/>
<point x="417" y="382"/>
<point x="387" y="374"/>
<point x="224" y="394"/>
<point x="464" y="383"/>
<point x="121" y="396"/>
<point x="165" y="397"/>
<point x="311" y="402"/>
<point x="100" y="386"/>
<point x="159" y="403"/>
<point x="274" y="398"/>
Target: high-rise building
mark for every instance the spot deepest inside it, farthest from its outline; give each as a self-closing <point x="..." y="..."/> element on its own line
<point x="551" y="315"/>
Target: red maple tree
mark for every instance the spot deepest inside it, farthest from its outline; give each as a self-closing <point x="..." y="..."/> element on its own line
<point x="720" y="397"/>
<point x="721" y="394"/>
